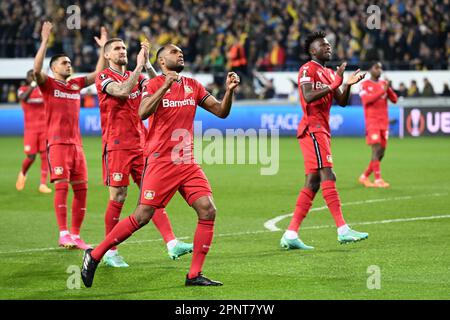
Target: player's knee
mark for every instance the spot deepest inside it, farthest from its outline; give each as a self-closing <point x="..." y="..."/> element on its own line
<point x="208" y="212"/>
<point x="32" y="157"/>
<point x="143" y="215"/>
<point x="119" y="194"/>
<point x="313" y="185"/>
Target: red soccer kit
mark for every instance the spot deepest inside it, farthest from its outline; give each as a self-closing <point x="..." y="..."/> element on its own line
<point x="34" y="121"/>
<point x="123" y="132"/>
<point x="170" y="163"/>
<point x="374" y="98"/>
<point x="313" y="130"/>
<point x="62" y="111"/>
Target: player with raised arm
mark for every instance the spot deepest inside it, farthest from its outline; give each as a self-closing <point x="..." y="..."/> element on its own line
<point x="67" y="163"/>
<point x="317" y="86"/>
<point x="170" y="102"/>
<point x="374" y="95"/>
<point x="123" y="135"/>
<point x="34" y="132"/>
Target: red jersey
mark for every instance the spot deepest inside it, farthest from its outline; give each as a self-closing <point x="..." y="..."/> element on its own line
<point x="33" y="110"/>
<point x="374" y="98"/>
<point x="171" y="127"/>
<point x="316" y="114"/>
<point x="62" y="110"/>
<point x="122" y="128"/>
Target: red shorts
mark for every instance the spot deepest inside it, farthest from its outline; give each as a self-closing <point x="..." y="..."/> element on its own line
<point x="316" y="149"/>
<point x="34" y="142"/>
<point x="162" y="179"/>
<point x="66" y="161"/>
<point x="119" y="164"/>
<point x="374" y="136"/>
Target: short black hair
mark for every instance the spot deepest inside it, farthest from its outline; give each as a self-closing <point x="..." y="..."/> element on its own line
<point x="56" y="57"/>
<point x="108" y="43"/>
<point x="160" y="50"/>
<point x="313" y="37"/>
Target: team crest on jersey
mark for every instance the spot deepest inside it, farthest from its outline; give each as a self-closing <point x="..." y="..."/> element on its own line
<point x="149" y="194"/>
<point x="374" y="136"/>
<point x="329" y="158"/>
<point x="117" y="176"/>
<point x="188" y="90"/>
<point x="27" y="148"/>
<point x="58" y="170"/>
<point x="75" y="87"/>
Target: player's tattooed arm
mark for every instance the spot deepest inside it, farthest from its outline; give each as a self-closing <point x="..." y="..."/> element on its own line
<point x="122" y="90"/>
<point x="101" y="62"/>
<point x="40" y="76"/>
<point x="222" y="109"/>
<point x="149" y="103"/>
<point x="342" y="95"/>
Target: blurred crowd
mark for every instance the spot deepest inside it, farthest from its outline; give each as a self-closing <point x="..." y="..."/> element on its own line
<point x="241" y="35"/>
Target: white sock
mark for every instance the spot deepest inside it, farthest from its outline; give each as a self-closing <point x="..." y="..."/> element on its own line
<point x="75" y="236"/>
<point x="111" y="253"/>
<point x="291" y="235"/>
<point x="343" y="229"/>
<point x="63" y="233"/>
<point x="171" y="244"/>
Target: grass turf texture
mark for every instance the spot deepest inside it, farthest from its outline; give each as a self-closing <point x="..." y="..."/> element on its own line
<point x="413" y="255"/>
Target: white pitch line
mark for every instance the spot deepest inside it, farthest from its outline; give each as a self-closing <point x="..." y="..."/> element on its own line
<point x="264" y="231"/>
<point x="271" y="224"/>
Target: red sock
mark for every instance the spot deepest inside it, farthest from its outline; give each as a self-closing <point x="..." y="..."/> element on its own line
<point x="376" y="169"/>
<point x="122" y="231"/>
<point x="60" y="203"/>
<point x="44" y="168"/>
<point x="78" y="207"/>
<point x="304" y="202"/>
<point x="112" y="216"/>
<point x="162" y="223"/>
<point x="368" y="170"/>
<point x="26" y="164"/>
<point x="202" y="241"/>
<point x="331" y="197"/>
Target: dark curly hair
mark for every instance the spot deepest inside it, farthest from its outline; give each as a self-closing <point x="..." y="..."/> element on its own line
<point x="311" y="38"/>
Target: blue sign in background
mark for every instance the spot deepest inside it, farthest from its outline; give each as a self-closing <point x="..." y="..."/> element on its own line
<point x="347" y="121"/>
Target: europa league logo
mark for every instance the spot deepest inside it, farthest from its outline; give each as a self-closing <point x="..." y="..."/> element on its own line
<point x="415" y="123"/>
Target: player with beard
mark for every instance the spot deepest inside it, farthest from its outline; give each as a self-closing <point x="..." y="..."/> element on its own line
<point x="66" y="160"/>
<point x="123" y="136"/>
<point x="318" y="85"/>
<point x="170" y="102"/>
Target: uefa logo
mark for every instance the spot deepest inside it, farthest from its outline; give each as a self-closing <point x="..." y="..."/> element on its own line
<point x="415" y="123"/>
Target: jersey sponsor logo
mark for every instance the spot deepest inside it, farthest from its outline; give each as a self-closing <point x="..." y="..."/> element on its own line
<point x="179" y="103"/>
<point x="58" y="170"/>
<point x="135" y="94"/>
<point x="117" y="176"/>
<point x="329" y="158"/>
<point x="65" y="95"/>
<point x="319" y="85"/>
<point x="75" y="87"/>
<point x="27" y="148"/>
<point x="149" y="194"/>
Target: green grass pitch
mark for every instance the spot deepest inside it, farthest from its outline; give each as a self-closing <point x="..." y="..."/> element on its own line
<point x="409" y="226"/>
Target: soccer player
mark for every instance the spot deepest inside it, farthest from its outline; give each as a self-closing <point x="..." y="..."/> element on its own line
<point x="34" y="132"/>
<point x="67" y="163"/>
<point x="170" y="102"/>
<point x="317" y="86"/>
<point x="374" y="95"/>
<point x="123" y="134"/>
